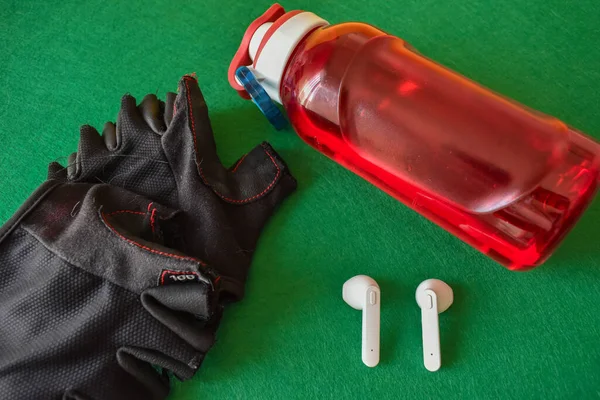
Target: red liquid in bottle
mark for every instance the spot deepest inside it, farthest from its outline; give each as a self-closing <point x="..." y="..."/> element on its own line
<point x="507" y="180"/>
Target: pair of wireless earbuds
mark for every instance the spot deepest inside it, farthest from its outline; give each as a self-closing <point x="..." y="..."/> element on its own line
<point x="433" y="296"/>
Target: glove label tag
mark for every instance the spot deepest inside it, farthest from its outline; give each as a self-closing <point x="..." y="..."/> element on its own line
<point x="168" y="277"/>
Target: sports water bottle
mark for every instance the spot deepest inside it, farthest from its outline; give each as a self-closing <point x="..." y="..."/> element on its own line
<point x="508" y="180"/>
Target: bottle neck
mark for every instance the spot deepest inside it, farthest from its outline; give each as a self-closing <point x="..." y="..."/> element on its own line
<point x="314" y="74"/>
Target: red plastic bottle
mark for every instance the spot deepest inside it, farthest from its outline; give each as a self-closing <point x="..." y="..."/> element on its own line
<point x="508" y="180"/>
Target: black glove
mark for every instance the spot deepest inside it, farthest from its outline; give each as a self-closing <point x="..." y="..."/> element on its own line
<point x="116" y="270"/>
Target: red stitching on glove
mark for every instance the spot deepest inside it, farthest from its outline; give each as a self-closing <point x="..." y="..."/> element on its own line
<point x="150" y="205"/>
<point x="141" y="246"/>
<point x="126" y="211"/>
<point x="189" y="101"/>
<point x="239" y="163"/>
<point x="255" y="196"/>
<point x="152" y="219"/>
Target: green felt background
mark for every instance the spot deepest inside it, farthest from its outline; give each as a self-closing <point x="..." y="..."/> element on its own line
<point x="533" y="335"/>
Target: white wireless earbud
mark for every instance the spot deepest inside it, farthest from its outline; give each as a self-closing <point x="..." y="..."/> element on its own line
<point x="362" y="293"/>
<point x="433" y="296"/>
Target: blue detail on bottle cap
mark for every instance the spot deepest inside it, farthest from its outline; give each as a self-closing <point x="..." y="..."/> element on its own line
<point x="261" y="98"/>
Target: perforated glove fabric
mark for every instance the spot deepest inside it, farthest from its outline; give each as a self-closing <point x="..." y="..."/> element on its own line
<point x="115" y="272"/>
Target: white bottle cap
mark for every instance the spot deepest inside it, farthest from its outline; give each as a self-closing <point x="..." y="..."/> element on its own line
<point x="271" y="45"/>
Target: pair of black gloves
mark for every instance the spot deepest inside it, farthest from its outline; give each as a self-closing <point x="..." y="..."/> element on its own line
<point x="115" y="272"/>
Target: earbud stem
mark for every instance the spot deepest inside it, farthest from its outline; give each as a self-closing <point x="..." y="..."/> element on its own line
<point x="370" y="327"/>
<point x="431" y="332"/>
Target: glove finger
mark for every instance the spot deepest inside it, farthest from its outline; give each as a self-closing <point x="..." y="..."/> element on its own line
<point x="150" y="110"/>
<point x="169" y="108"/>
<point x="109" y="134"/>
<point x="72" y="166"/>
<point x="188" y="143"/>
<point x="57" y="171"/>
<point x="131" y="126"/>
<point x="91" y="154"/>
<point x="161" y="110"/>
<point x="191" y="121"/>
